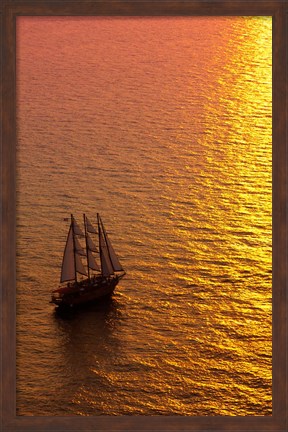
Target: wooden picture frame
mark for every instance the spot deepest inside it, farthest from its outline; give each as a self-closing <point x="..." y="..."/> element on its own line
<point x="10" y="9"/>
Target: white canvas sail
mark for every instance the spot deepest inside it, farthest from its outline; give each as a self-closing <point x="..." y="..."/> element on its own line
<point x="114" y="259"/>
<point x="68" y="263"/>
<point x="77" y="230"/>
<point x="79" y="265"/>
<point x="78" y="248"/>
<point x="90" y="227"/>
<point x="91" y="245"/>
<point x="106" y="264"/>
<point x="92" y="262"/>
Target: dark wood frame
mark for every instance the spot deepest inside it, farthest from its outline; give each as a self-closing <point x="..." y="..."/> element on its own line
<point x="9" y="10"/>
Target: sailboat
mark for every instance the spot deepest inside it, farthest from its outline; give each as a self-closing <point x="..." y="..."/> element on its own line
<point x="87" y="281"/>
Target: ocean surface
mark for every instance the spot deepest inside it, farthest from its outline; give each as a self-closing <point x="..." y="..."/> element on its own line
<point x="163" y="126"/>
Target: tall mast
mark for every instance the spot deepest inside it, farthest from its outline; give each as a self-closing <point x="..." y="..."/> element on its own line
<point x="74" y="247"/>
<point x="86" y="241"/>
<point x="100" y="251"/>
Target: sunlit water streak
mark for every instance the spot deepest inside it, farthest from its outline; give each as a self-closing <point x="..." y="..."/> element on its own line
<point x="164" y="127"/>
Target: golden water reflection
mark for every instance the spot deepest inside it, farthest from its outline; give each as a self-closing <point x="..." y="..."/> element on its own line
<point x="171" y="142"/>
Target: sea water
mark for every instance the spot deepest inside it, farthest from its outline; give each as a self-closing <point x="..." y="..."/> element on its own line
<point x="163" y="126"/>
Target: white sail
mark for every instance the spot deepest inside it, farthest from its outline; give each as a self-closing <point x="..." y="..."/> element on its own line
<point x="91" y="245"/>
<point x="90" y="227"/>
<point x="77" y="230"/>
<point x="92" y="262"/>
<point x="106" y="264"/>
<point x="68" y="263"/>
<point x="78" y="248"/>
<point x="114" y="259"/>
<point x="79" y="265"/>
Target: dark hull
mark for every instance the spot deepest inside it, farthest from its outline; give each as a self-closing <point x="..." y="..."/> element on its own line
<point x="85" y="292"/>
